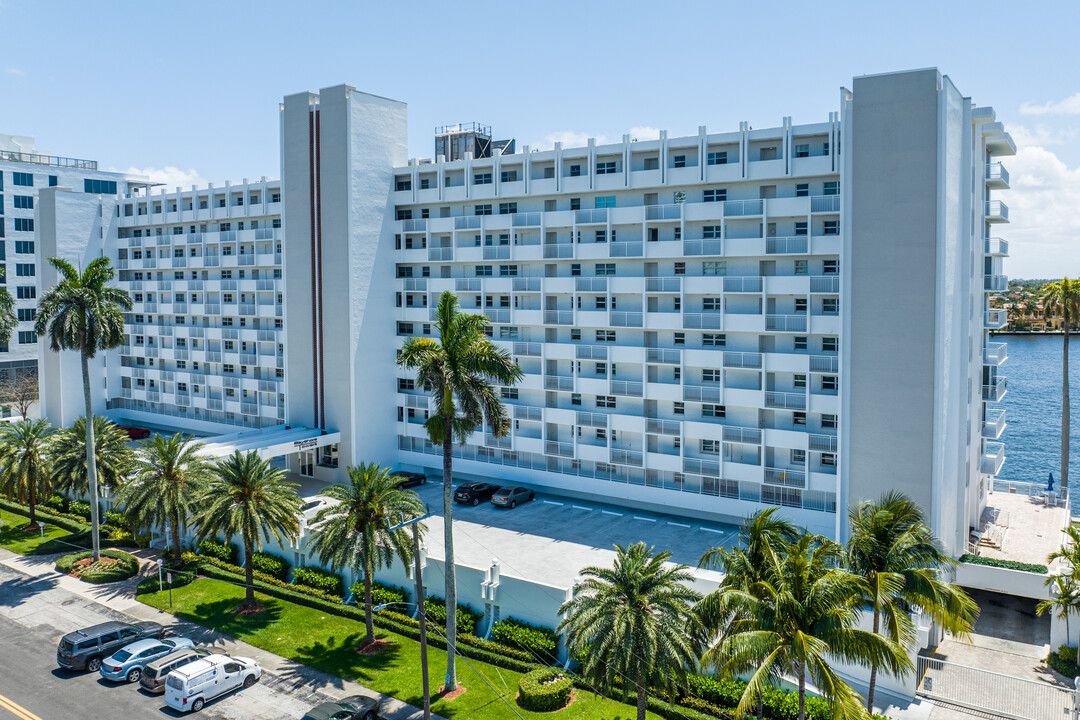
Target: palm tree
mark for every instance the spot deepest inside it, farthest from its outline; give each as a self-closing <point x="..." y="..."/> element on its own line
<point x="800" y="616"/>
<point x="243" y="496"/>
<point x="895" y="553"/>
<point x="461" y="370"/>
<point x="1063" y="298"/>
<point x="169" y="473"/>
<point x="354" y="533"/>
<point x="82" y="312"/>
<point x="114" y="459"/>
<point x="25" y="471"/>
<point x="1064" y="601"/>
<point x="8" y="321"/>
<point x="743" y="568"/>
<point x="633" y="625"/>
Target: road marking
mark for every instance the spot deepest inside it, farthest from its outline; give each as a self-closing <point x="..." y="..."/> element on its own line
<point x="609" y="512"/>
<point x="718" y="532"/>
<point x="552" y="502"/>
<point x="581" y="507"/>
<point x="678" y="524"/>
<point x="638" y="517"/>
<point x="16" y="709"/>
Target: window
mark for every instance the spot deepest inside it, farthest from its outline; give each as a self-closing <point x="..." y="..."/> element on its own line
<point x="575" y="334"/>
<point x="829" y="344"/>
<point x="601" y="302"/>
<point x="825" y="149"/>
<point x="799" y="381"/>
<point x="575" y="398"/>
<point x="802" y="190"/>
<point x="482" y="178"/>
<point x="715" y="195"/>
<point x="830" y="267"/>
<point x="507" y="208"/>
<point x="22" y="179"/>
<point x="800" y="342"/>
<point x="508" y="270"/>
<point x="508" y="176"/>
<point x="802" y="267"/>
<point x="680" y="268"/>
<point x="678" y="408"/>
<point x="508" y="393"/>
<point x="605" y="401"/>
<point x="575" y="171"/>
<point x="828" y="422"/>
<point x="710" y="375"/>
<point x="24" y="270"/>
<point x="605" y="268"/>
<point x="830" y="306"/>
<point x="601" y="369"/>
<point x="714" y="411"/>
<point x="832" y="188"/>
<point x="679" y="338"/>
<point x="605" y="168"/>
<point x="100" y="187"/>
<point x="679" y="161"/>
<point x="714" y="340"/>
<point x="27" y="337"/>
<point x="798" y="457"/>
<point x="831" y="227"/>
<point x="798" y="418"/>
<point x="403" y="185"/>
<point x="601" y="434"/>
<point x="712" y="304"/>
<point x="24" y="202"/>
<point x="26" y="292"/>
<point x="828" y="383"/>
<point x="53" y="180"/>
<point x="800" y="305"/>
<point x="24" y="246"/>
<point x="406" y="384"/>
<point x="802" y="151"/>
<point x="575" y="203"/>
<point x="405" y="328"/>
<point x="710" y="447"/>
<point x="483" y="271"/>
<point x="601" y="236"/>
<point x="605" y="201"/>
<point x="800" y="228"/>
<point x="711" y="232"/>
<point x="714" y="267"/>
<point x="482" y="210"/>
<point x="425" y="183"/>
<point x="828" y="459"/>
<point x="27" y="314"/>
<point x="404" y="214"/>
<point x="575" y="269"/>
<point x="605" y="336"/>
<point x="24" y="224"/>
<point x="767" y="153"/>
<point x="717" y="158"/>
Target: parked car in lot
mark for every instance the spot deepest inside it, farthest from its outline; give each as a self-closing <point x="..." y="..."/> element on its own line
<point x="135" y="432"/>
<point x="354" y="707"/>
<point x="155" y="672"/>
<point x="314" y="504"/>
<point x="128" y="662"/>
<point x="191" y="686"/>
<point x="411" y="479"/>
<point x="84" y="649"/>
<point x="474" y="493"/>
<point x="511" y="496"/>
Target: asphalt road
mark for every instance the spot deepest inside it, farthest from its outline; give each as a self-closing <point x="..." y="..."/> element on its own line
<point x="34" y="614"/>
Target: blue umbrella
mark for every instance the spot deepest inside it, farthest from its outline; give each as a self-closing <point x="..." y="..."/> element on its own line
<point x="1050" y="482"/>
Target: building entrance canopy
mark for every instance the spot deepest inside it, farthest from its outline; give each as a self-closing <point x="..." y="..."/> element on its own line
<point x="271" y="442"/>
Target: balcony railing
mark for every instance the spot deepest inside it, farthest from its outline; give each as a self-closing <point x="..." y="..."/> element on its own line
<point x="997" y="211"/>
<point x="528" y="349"/>
<point x="703" y="321"/>
<point x="702" y="393"/>
<point x="825" y="284"/>
<point x="993" y="457"/>
<point x="528" y="412"/>
<point x="660" y="355"/>
<point x="995" y="391"/>
<point x="558" y="250"/>
<point x="528" y="219"/>
<point x="825" y="203"/>
<point x="50" y="160"/>
<point x="787" y="478"/>
<point x="585" y="217"/>
<point x="996" y="246"/>
<point x="558" y="382"/>
<point x="996" y="318"/>
<point x="562" y="449"/>
<point x="437" y="254"/>
<point x="750" y="436"/>
<point x="663" y="427"/>
<point x="786" y="245"/>
<point x="589" y="419"/>
<point x="558" y="317"/>
<point x="469" y="222"/>
<point x="703" y="247"/>
<point x="745" y="283"/>
<point x="418" y="225"/>
<point x="663" y="212"/>
<point x="824" y="363"/>
<point x="739" y="208"/>
<point x="657" y="284"/>
<point x="995" y="353"/>
<point x="996" y="172"/>
<point x="742" y="360"/>
<point x="497" y="252"/>
<point x="626" y="319"/>
<point x="993" y="424"/>
<point x="785" y="323"/>
<point x="626" y="388"/>
<point x="626" y="249"/>
<point x="591" y="352"/>
<point x="822" y="443"/>
<point x="996" y="283"/>
<point x="498" y="315"/>
<point x="591" y="284"/>
<point x="785" y="401"/>
<point x="527" y="284"/>
<point x="626" y="457"/>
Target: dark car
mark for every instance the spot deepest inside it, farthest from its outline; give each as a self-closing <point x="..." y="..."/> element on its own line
<point x="154" y="674"/>
<point x="84" y="649"/>
<point x="511" y="496"/>
<point x="135" y="432"/>
<point x="410" y="479"/>
<point x="474" y="493"/>
<point x="354" y="707"/>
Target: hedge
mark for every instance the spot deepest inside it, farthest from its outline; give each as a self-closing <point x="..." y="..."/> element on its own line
<point x="544" y="689"/>
<point x="1007" y="564"/>
<point x="540" y="641"/>
<point x="237" y="572"/>
<point x="381" y="594"/>
<point x="315" y="577"/>
<point x="467" y="618"/>
<point x="80" y="509"/>
<point x="273" y="565"/>
<point x="59" y="503"/>
<point x="129" y="565"/>
<point x="226" y="553"/>
<point x="1063" y="660"/>
<point x="71" y="523"/>
<point x="777" y="704"/>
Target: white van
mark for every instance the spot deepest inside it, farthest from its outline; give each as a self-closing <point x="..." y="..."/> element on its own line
<point x="191" y="686"/>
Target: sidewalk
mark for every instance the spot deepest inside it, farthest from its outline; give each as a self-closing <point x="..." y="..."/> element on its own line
<point x="282" y="674"/>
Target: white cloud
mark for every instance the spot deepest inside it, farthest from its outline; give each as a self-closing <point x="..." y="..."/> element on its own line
<point x="644" y="132"/>
<point x="1068" y="106"/>
<point x="1041" y="135"/>
<point x="575" y="138"/>
<point x="14" y="71"/>
<point x="171" y="176"/>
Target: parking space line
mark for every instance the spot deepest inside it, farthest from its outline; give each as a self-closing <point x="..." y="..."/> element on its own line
<point x="678" y="524"/>
<point x="718" y="532"/>
<point x="646" y="519"/>
<point x="611" y="512"/>
<point x="582" y="507"/>
<point x="552" y="502"/>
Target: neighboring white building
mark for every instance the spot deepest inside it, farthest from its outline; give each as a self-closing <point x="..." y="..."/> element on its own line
<point x="708" y="325"/>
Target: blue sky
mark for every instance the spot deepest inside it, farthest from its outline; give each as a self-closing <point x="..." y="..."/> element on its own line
<point x="188" y="92"/>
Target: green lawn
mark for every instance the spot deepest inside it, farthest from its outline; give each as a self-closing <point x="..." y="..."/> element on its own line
<point x="327" y="642"/>
<point x="13" y="538"/>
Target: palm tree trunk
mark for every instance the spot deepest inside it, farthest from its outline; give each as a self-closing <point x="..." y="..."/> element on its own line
<point x="32" y="501"/>
<point x="176" y="560"/>
<point x="802" y="691"/>
<point x="249" y="577"/>
<point x="369" y="625"/>
<point x="448" y="542"/>
<point x="760" y="706"/>
<point x="873" y="669"/>
<point x="642" y="697"/>
<point x="91" y="464"/>
<point x="1065" y="410"/>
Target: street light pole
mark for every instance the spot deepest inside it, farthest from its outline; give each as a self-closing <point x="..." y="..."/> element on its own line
<point x="415" y="523"/>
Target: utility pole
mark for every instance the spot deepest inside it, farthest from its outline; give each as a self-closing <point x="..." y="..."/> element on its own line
<point x="415" y="523"/>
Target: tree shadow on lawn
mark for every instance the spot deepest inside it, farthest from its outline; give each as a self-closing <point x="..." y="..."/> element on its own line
<point x="223" y="616"/>
<point x="341" y="659"/>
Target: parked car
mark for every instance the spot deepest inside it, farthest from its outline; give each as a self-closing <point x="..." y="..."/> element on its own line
<point x="155" y="672"/>
<point x="354" y="707"/>
<point x="474" y="493"/>
<point x="189" y="687"/>
<point x="135" y="432"/>
<point x="511" y="496"/>
<point x="314" y="504"/>
<point x="128" y="662"/>
<point x="84" y="649"/>
<point x="411" y="479"/>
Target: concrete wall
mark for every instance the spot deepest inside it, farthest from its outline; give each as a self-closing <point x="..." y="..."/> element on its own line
<point x="1002" y="580"/>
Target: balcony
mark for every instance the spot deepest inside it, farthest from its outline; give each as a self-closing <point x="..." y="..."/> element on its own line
<point x="995" y="319"/>
<point x="822" y="443"/>
<point x="626" y="319"/>
<point x="785" y="323"/>
<point x="995" y="391"/>
<point x="626" y="457"/>
<point x="561" y="449"/>
<point x="824" y="363"/>
<point x="590" y="419"/>
<point x="787" y="478"/>
<point x="994" y="424"/>
<point x="626" y="388"/>
<point x="825" y="203"/>
<point x="528" y="219"/>
<point x="591" y="352"/>
<point x="659" y="355"/>
<point x="798" y="244"/>
<point x="742" y="360"/>
<point x="703" y="393"/>
<point x="663" y="212"/>
<point x="591" y="217"/>
<point x="703" y="247"/>
<point x="558" y="250"/>
<point x="626" y="249"/>
<point x="527" y="284"/>
<point x="997" y="177"/>
<point x="497" y="252"/>
<point x="663" y="285"/>
<point x="745" y="435"/>
<point x="742" y="208"/>
<point x="995" y="283"/>
<point x="663" y="427"/>
<point x="997" y="211"/>
<point x="825" y="284"/>
<point x="558" y="317"/>
<point x="997" y="247"/>
<point x="785" y="401"/>
<point x="746" y="284"/>
<point x="558" y="382"/>
<point x="528" y="349"/>
<point x="993" y="457"/>
<point x="703" y="321"/>
<point x="995" y="353"/>
<point x="498" y="315"/>
<point x="437" y="254"/>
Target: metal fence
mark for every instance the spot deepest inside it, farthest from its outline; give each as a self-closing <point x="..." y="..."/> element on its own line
<point x="991" y="692"/>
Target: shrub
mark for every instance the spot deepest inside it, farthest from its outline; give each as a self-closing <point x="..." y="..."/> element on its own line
<point x="467" y="618"/>
<point x="329" y="582"/>
<point x="544" y="689"/>
<point x="79" y="509"/>
<point x="540" y="641"/>
<point x="58" y="503"/>
<point x="1063" y="660"/>
<point x="273" y="565"/>
<point x="117" y="520"/>
<point x="121" y="566"/>
<point x="777" y="704"/>
<point x="1007" y="564"/>
<point x="149" y="584"/>
<point x="71" y="523"/>
<point x="380" y="594"/>
<point x="226" y="553"/>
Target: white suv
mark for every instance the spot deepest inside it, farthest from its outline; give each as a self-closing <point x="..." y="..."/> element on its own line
<point x="191" y="686"/>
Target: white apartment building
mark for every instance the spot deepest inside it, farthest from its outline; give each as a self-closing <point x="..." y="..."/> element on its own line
<point x="708" y="325"/>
